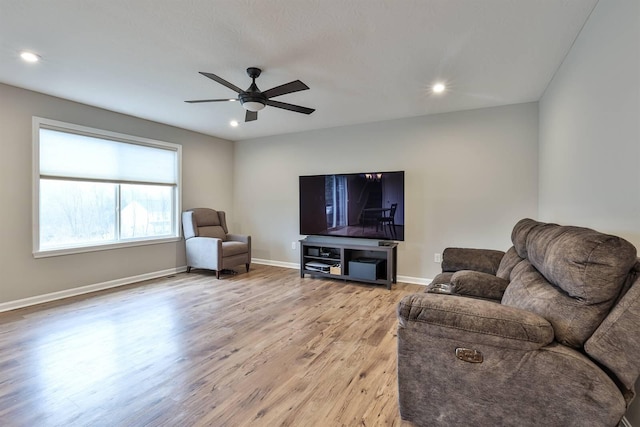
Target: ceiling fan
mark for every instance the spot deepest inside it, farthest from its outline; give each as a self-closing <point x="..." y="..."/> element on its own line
<point x="253" y="100"/>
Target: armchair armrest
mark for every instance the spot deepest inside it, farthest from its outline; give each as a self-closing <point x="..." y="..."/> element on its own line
<point x="478" y="284"/>
<point x="239" y="238"/>
<point x="483" y="260"/>
<point x="204" y="252"/>
<point x="474" y="321"/>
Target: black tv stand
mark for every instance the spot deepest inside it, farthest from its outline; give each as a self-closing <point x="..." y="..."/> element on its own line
<point x="361" y="263"/>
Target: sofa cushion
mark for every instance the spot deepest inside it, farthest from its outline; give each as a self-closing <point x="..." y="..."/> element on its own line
<point x="509" y="260"/>
<point x="573" y="320"/>
<point x="571" y="277"/>
<point x="442" y="278"/>
<point x="478" y="285"/>
<point x="468" y="320"/>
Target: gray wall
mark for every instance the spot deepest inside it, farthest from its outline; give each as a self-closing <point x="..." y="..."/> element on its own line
<point x="469" y="176"/>
<point x="590" y="131"/>
<point x="590" y="127"/>
<point x="207" y="172"/>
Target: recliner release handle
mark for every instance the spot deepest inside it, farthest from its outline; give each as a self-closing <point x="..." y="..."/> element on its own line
<point x="469" y="355"/>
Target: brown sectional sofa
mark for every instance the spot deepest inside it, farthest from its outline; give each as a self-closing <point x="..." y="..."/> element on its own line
<point x="546" y="334"/>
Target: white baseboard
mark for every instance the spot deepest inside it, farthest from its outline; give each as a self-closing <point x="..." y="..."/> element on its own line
<point x="40" y="299"/>
<point x="414" y="280"/>
<point x="293" y="265"/>
<point x="296" y="266"/>
<point x="624" y="423"/>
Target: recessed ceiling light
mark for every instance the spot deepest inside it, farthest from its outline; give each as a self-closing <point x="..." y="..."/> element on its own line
<point x="29" y="56"/>
<point x="438" y="88"/>
<point x="234" y="123"/>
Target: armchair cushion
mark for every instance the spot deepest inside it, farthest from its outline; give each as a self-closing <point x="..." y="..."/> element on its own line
<point x="479" y="285"/>
<point x="206" y="217"/>
<point x="206" y="223"/>
<point x="214" y="231"/>
<point x="231" y="248"/>
<point x="484" y="260"/>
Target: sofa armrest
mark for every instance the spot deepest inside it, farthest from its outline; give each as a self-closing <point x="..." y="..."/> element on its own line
<point x="474" y="321"/>
<point x="478" y="284"/>
<point x="483" y="260"/>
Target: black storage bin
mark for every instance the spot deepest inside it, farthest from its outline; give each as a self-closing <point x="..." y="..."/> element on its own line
<point x="367" y="268"/>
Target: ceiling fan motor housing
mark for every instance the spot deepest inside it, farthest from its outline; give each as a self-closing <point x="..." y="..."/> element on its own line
<point x="252" y="99"/>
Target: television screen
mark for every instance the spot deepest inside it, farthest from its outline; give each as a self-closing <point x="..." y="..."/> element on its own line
<point x="364" y="205"/>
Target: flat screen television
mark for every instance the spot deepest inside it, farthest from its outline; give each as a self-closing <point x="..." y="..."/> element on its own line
<point x="366" y="205"/>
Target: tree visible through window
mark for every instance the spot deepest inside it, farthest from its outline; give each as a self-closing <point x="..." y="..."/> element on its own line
<point x="96" y="188"/>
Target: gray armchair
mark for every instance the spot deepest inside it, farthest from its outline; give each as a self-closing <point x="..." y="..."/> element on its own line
<point x="209" y="244"/>
<point x="558" y="346"/>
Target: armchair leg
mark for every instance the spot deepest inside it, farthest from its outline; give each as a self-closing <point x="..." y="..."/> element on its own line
<point x="188" y="269"/>
<point x="247" y="265"/>
<point x="218" y="274"/>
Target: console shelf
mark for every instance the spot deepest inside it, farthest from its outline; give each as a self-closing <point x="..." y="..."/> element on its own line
<point x="361" y="263"/>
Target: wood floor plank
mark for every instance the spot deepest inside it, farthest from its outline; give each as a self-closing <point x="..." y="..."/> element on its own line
<point x="265" y="348"/>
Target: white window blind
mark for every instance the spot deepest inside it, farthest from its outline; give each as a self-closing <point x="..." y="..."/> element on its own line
<point x="69" y="155"/>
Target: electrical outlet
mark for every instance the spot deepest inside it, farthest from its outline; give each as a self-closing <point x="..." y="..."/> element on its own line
<point x="293" y="245"/>
<point x="437" y="257"/>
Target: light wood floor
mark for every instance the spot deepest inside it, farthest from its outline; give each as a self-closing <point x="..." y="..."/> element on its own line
<point x="265" y="348"/>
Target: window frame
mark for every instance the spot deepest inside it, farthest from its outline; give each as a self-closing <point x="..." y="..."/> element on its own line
<point x="43" y="123"/>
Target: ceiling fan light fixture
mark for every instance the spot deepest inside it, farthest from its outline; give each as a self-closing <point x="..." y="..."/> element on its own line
<point x="253" y="105"/>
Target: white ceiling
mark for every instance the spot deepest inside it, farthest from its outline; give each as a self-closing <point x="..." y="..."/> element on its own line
<point x="364" y="60"/>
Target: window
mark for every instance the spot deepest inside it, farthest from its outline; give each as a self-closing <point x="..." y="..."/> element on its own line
<point x="95" y="189"/>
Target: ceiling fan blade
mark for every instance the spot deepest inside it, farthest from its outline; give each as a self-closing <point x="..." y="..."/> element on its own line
<point x="222" y="82"/>
<point x="290" y="87"/>
<point x="211" y="100"/>
<point x="251" y="116"/>
<point x="290" y="107"/>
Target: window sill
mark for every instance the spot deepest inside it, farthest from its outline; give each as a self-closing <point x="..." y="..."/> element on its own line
<point x="107" y="247"/>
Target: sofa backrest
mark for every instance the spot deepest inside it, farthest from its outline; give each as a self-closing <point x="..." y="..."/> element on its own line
<point x="204" y="222"/>
<point x="482" y="260"/>
<point x="571" y="276"/>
